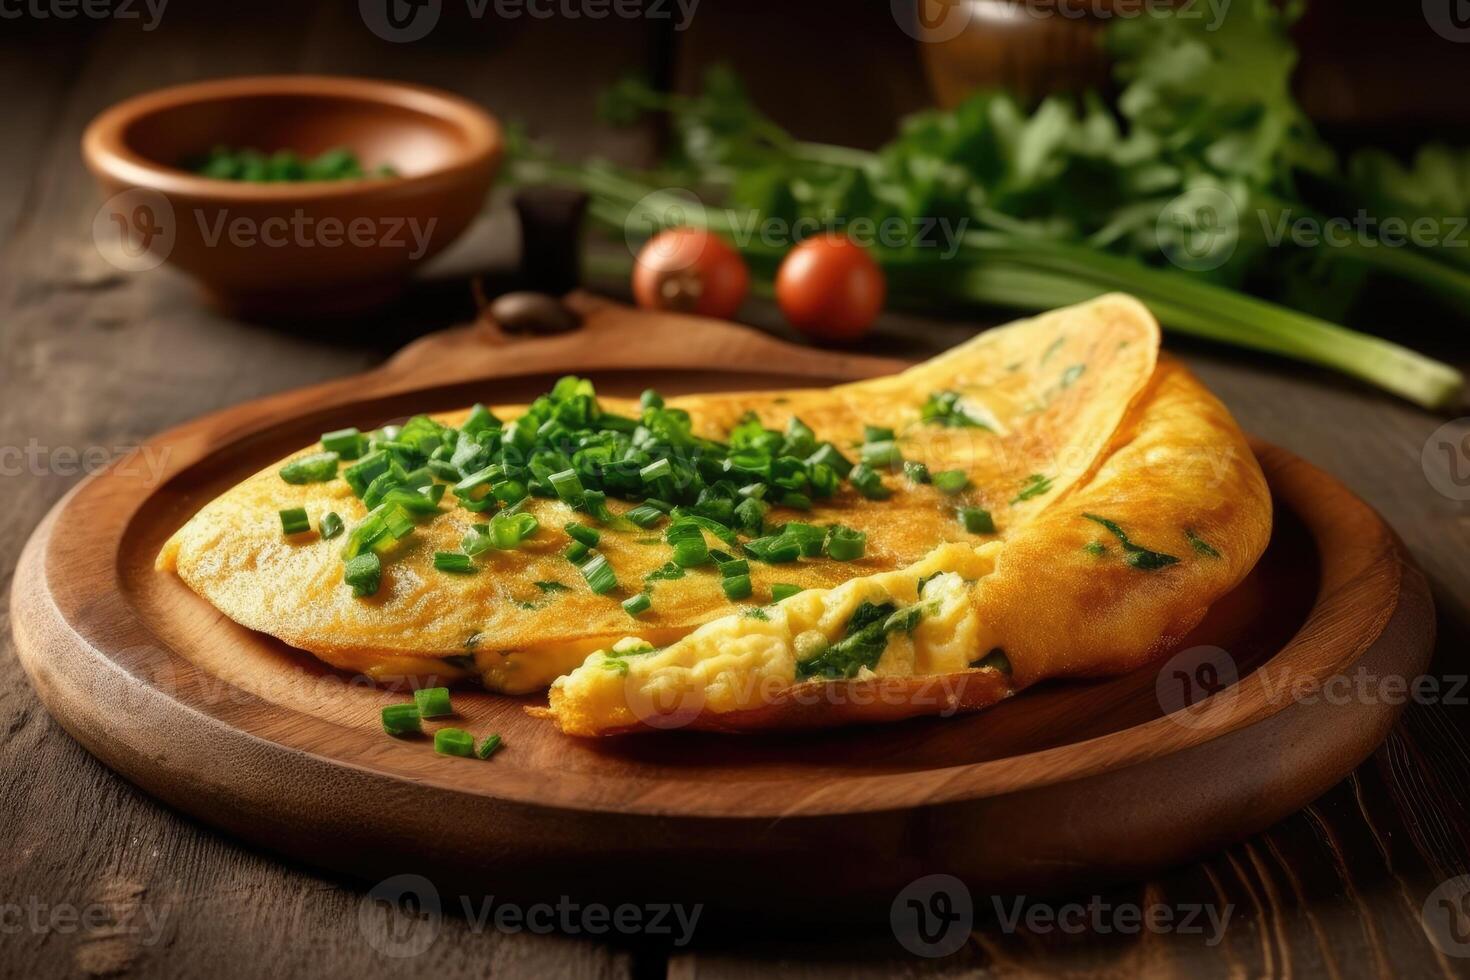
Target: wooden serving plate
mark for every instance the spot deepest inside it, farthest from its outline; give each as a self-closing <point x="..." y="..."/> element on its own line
<point x="1067" y="784"/>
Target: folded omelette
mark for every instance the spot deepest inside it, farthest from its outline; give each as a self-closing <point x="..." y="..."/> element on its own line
<point x="1050" y="499"/>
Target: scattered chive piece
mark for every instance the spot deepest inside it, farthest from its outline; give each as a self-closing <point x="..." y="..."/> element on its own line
<point x="808" y="536"/>
<point x="364" y="573"/>
<point x="774" y="550"/>
<point x="916" y="472"/>
<point x="568" y="487"/>
<point x="401" y="719"/>
<point x="638" y="604"/>
<point x="432" y="702"/>
<point x="489" y="746"/>
<point x="1035" y="486"/>
<point x="346" y="443"/>
<point x="658" y="469"/>
<point x="453" y="561"/>
<point x="845" y="544"/>
<point x="549" y="587"/>
<point x="1095" y="548"/>
<point x="1200" y="545"/>
<point x="876" y="433"/>
<point x="1135" y="555"/>
<point x="599" y="575"/>
<point x="736" y="586"/>
<point x="454" y="741"/>
<point x="783" y="590"/>
<point x="576" y="551"/>
<point x="733" y="567"/>
<point x="583" y="533"/>
<point x="294" y="520"/>
<point x="951" y="482"/>
<point x="868" y="482"/>
<point x="316" y="468"/>
<point x="977" y="520"/>
<point x="885" y="453"/>
<point x="644" y="515"/>
<point x="330" y="525"/>
<point x="669" y="572"/>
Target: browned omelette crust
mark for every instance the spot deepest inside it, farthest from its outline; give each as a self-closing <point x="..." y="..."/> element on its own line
<point x="1056" y="386"/>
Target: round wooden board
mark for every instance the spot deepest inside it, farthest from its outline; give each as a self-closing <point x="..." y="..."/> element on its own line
<point x="1066" y="784"/>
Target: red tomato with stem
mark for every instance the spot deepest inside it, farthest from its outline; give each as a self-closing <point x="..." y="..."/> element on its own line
<point x="830" y="288"/>
<point x="690" y="270"/>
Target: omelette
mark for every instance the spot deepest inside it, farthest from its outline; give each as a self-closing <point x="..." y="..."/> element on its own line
<point x="1052" y="498"/>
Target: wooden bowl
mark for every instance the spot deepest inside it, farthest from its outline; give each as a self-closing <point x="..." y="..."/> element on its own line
<point x="290" y="248"/>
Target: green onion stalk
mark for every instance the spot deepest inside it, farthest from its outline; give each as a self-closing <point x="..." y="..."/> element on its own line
<point x="1008" y="269"/>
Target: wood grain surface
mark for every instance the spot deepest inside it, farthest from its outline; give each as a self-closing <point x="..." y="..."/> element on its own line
<point x="96" y="360"/>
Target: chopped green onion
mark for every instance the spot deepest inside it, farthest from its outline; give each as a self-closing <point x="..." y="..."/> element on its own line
<point x="868" y="482"/>
<point x="576" y="551"/>
<point x="346" y="443"/>
<point x="808" y="536"/>
<point x="433" y="702"/>
<point x="876" y="433"/>
<point x="687" y="540"/>
<point x="401" y="719"/>
<point x="294" y="520"/>
<point x="330" y="525"/>
<point x="736" y="587"/>
<point x="1035" y="486"/>
<point x="644" y="515"/>
<point x="916" y="472"/>
<point x="453" y="561"/>
<point x="829" y="455"/>
<point x="489" y="746"/>
<point x="656" y="470"/>
<point x="977" y="520"/>
<point x="750" y="514"/>
<point x="951" y="482"/>
<point x="367" y="469"/>
<point x="651" y="399"/>
<point x="885" y="453"/>
<point x="638" y="604"/>
<point x="454" y="741"/>
<point x="568" y="487"/>
<point x="583" y="533"/>
<point x="364" y="573"/>
<point x="398" y="523"/>
<point x="316" y="468"/>
<point x="733" y="567"/>
<point x="774" y="550"/>
<point x="783" y="590"/>
<point x="845" y="544"/>
<point x="599" y="575"/>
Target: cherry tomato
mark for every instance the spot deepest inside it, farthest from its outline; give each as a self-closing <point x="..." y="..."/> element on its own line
<point x="690" y="270"/>
<point x="830" y="288"/>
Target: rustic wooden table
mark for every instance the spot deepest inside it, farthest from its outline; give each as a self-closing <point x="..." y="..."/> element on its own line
<point x="101" y="880"/>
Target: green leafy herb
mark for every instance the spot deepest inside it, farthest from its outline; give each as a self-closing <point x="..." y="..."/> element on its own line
<point x="316" y="468"/>
<point x="1135" y="555"/>
<point x="1200" y="545"/>
<point x="863" y="641"/>
<point x="948" y="408"/>
<point x="1035" y="486"/>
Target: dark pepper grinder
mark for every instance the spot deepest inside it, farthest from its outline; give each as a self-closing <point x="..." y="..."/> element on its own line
<point x="551" y="238"/>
